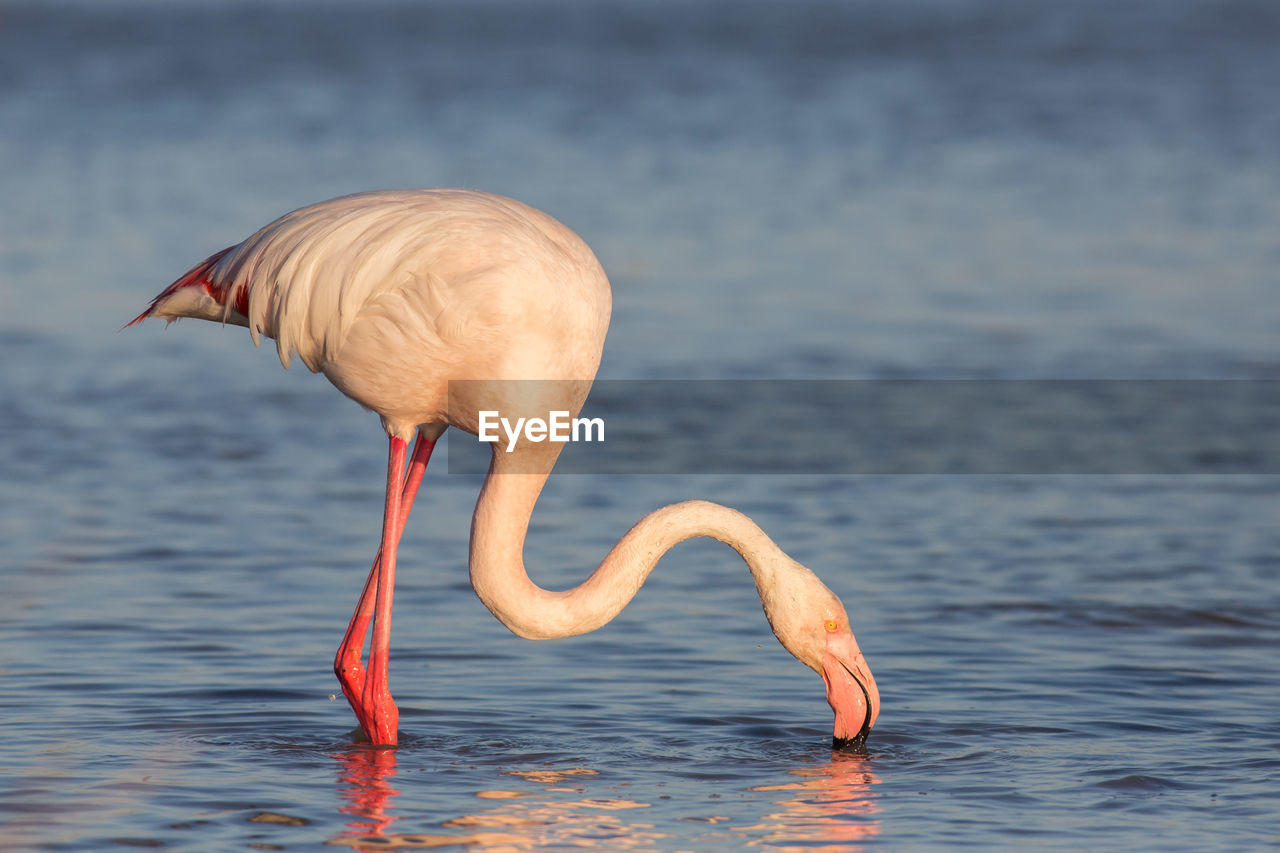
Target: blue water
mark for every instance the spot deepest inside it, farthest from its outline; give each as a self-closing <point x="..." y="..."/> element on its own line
<point x="942" y="189"/>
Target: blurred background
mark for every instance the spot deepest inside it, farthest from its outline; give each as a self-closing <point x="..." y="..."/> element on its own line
<point x="978" y="187"/>
<point x="811" y="189"/>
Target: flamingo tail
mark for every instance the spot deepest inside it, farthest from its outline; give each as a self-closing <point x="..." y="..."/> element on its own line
<point x="200" y="276"/>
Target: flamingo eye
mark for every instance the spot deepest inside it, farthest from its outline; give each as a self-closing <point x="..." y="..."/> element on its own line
<point x="830" y="625"/>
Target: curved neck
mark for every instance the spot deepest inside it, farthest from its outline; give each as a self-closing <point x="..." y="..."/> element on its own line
<point x="498" y="575"/>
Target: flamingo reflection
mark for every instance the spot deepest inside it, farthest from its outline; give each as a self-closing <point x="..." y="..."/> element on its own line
<point x="519" y="820"/>
<point x="830" y="809"/>
<point x="365" y="777"/>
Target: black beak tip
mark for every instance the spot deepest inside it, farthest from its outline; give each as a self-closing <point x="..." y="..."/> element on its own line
<point x="857" y="744"/>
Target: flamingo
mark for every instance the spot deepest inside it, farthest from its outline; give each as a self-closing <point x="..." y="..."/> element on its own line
<point x="393" y="295"/>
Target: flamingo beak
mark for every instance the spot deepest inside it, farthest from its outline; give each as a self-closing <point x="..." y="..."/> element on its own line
<point x="851" y="690"/>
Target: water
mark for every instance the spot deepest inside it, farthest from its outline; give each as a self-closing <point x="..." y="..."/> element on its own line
<point x="955" y="188"/>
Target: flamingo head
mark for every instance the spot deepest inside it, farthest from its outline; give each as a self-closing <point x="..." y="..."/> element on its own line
<point x="851" y="689"/>
<point x="811" y="622"/>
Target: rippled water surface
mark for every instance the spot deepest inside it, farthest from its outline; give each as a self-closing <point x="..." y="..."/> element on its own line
<point x="947" y="189"/>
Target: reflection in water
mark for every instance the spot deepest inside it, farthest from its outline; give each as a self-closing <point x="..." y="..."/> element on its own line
<point x="829" y="809"/>
<point x="366" y="772"/>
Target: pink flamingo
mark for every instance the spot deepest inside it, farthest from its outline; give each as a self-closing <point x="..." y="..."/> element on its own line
<point x="393" y="294"/>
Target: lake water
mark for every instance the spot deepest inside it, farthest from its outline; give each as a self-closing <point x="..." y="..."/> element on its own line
<point x="948" y="189"/>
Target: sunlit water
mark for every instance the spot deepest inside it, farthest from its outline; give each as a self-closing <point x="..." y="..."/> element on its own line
<point x="948" y="189"/>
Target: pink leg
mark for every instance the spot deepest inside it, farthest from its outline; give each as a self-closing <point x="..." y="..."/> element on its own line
<point x="351" y="673"/>
<point x="346" y="664"/>
<point x="379" y="711"/>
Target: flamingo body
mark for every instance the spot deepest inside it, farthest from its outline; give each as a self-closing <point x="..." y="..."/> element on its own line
<point x="393" y="295"/>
